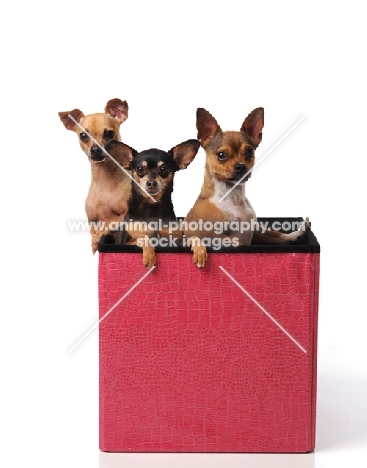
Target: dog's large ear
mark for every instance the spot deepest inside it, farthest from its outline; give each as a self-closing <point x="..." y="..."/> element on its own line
<point x="207" y="126"/>
<point x="253" y="125"/>
<point x="123" y="154"/>
<point x="68" y="122"/>
<point x="184" y="153"/>
<point x="117" y="109"/>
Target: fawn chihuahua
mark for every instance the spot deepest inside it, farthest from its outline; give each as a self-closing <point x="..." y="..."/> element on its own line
<point x="150" y="206"/>
<point x="230" y="157"/>
<point x="110" y="186"/>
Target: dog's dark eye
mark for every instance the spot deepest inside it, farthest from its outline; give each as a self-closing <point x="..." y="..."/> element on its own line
<point x="249" y="153"/>
<point x="84" y="137"/>
<point x="222" y="156"/>
<point x="163" y="171"/>
<point x="140" y="171"/>
<point x="108" y="134"/>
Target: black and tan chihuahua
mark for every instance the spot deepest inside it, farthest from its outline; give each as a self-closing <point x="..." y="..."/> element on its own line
<point x="150" y="202"/>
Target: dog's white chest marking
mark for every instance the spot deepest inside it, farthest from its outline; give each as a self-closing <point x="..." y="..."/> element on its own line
<point x="237" y="208"/>
<point x="235" y="205"/>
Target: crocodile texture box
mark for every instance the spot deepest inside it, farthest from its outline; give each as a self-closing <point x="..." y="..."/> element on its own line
<point x="217" y="360"/>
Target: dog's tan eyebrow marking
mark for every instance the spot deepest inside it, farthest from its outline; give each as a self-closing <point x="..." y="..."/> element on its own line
<point x="160" y="163"/>
<point x="144" y="163"/>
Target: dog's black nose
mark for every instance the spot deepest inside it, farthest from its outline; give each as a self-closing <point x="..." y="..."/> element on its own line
<point x="240" y="169"/>
<point x="152" y="184"/>
<point x="96" y="151"/>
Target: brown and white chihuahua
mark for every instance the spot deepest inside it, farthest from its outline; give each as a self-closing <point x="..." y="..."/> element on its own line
<point x="151" y="214"/>
<point x="110" y="186"/>
<point x="230" y="157"/>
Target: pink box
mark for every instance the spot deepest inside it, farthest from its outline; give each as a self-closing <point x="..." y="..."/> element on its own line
<point x="217" y="360"/>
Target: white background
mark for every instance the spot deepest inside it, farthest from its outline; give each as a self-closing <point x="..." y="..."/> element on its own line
<point x="166" y="59"/>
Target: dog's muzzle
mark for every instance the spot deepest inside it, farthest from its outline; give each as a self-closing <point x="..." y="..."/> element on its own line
<point x="152" y="187"/>
<point x="96" y="154"/>
<point x="239" y="171"/>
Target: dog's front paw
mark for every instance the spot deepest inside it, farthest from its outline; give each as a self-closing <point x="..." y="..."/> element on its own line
<point x="95" y="241"/>
<point x="149" y="257"/>
<point x="96" y="237"/>
<point x="200" y="255"/>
